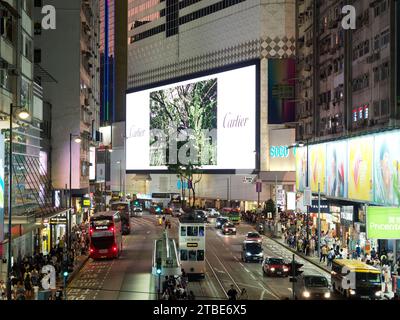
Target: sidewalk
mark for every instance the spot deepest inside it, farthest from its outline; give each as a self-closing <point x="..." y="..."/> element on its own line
<point x="314" y="259"/>
<point x="78" y="265"/>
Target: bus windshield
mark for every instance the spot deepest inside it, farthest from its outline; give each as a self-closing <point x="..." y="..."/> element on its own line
<point x="368" y="277"/>
<point x="121" y="207"/>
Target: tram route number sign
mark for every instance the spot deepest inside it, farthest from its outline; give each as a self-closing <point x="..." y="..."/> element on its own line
<point x="192" y="245"/>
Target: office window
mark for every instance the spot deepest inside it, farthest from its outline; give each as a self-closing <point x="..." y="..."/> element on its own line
<point x="376" y="75"/>
<point x="38" y="3"/>
<point x="377" y="42"/>
<point x="385" y="38"/>
<point x="384" y="71"/>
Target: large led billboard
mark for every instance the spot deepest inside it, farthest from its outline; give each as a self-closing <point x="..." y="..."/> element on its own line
<point x="336" y="169"/>
<point x="301" y="167"/>
<point x="317" y="162"/>
<point x="387" y="169"/>
<point x="383" y="223"/>
<point x="360" y="152"/>
<point x="209" y="120"/>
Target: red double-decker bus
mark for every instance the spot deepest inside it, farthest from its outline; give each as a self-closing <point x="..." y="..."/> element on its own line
<point x="105" y="233"/>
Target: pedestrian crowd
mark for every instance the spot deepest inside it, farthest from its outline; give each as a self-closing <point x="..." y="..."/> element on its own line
<point x="176" y="288"/>
<point x="29" y="272"/>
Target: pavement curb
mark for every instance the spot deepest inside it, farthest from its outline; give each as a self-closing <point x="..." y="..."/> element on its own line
<point x="76" y="270"/>
<point x="300" y="255"/>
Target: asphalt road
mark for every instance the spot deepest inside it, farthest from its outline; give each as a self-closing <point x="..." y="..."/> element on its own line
<point x="129" y="277"/>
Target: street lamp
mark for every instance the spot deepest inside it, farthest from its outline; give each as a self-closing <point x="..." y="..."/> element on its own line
<point x="78" y="140"/>
<point x="120" y="176"/>
<point x="23" y="114"/>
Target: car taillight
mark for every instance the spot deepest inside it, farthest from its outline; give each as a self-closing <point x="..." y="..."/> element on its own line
<point x="91" y="230"/>
<point x="114" y="248"/>
<point x="91" y="250"/>
<point x="112" y="229"/>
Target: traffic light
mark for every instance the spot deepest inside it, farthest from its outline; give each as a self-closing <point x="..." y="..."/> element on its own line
<point x="65" y="274"/>
<point x="296" y="266"/>
<point x="136" y="203"/>
<point x="158" y="266"/>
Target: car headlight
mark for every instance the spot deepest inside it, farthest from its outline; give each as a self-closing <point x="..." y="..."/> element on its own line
<point x="260" y="254"/>
<point x="306" y="294"/>
<point x="248" y="254"/>
<point x="285" y="269"/>
<point x="327" y="295"/>
<point x="234" y="229"/>
<point x="352" y="292"/>
<point x="272" y="269"/>
<point x="378" y="294"/>
<point x="218" y="224"/>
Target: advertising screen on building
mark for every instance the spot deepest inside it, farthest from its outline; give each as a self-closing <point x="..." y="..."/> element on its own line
<point x="301" y="168"/>
<point x="317" y="161"/>
<point x="209" y="120"/>
<point x="383" y="223"/>
<point x="360" y="168"/>
<point x="336" y="169"/>
<point x="387" y="169"/>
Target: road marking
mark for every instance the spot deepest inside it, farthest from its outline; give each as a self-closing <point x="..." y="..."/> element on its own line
<point x="219" y="282"/>
<point x="262" y="294"/>
<point x="251" y="275"/>
<point x="227" y="272"/>
<point x="290" y="289"/>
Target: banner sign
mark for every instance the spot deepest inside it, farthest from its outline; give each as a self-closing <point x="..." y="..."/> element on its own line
<point x="324" y="206"/>
<point x="383" y="223"/>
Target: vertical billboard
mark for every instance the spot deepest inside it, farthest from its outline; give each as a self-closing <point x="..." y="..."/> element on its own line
<point x="281" y="84"/>
<point x="317" y="161"/>
<point x="386" y="169"/>
<point x="301" y="167"/>
<point x="2" y="187"/>
<point x="360" y="152"/>
<point x="336" y="169"/>
<point x="281" y="158"/>
<point x="383" y="223"/>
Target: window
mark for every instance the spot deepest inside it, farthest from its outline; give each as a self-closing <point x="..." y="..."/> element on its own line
<point x="37" y="28"/>
<point x="183" y="231"/>
<point x="38" y="3"/>
<point x="192" y="255"/>
<point x="200" y="255"/>
<point x="384" y="71"/>
<point x="366" y="47"/>
<point x="26" y="93"/>
<point x="377" y="42"/>
<point x="376" y="11"/>
<point x="27" y="46"/>
<point x="385" y="38"/>
<point x="5" y="80"/>
<point x="37" y="56"/>
<point x="184" y="255"/>
<point x="376" y="75"/>
<point x="201" y="231"/>
<point x="192" y="231"/>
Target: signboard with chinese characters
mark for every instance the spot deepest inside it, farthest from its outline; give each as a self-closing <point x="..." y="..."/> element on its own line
<point x="86" y="202"/>
<point x="383" y="223"/>
<point x="324" y="206"/>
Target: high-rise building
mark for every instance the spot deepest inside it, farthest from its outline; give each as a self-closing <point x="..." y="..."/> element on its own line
<point x="70" y="54"/>
<point x="113" y="55"/>
<point x="172" y="40"/>
<point x="31" y="189"/>
<point x="346" y="79"/>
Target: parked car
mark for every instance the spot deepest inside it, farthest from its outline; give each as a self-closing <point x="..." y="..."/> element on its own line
<point x="177" y="212"/>
<point x="275" y="267"/>
<point x="313" y="287"/>
<point x="221" y="221"/>
<point x="228" y="228"/>
<point x="252" y="251"/>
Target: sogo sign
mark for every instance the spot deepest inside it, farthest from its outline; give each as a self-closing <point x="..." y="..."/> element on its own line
<point x="279" y="152"/>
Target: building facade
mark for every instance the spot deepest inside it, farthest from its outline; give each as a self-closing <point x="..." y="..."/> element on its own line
<point x="173" y="39"/>
<point x="70" y="54"/>
<point x="347" y="87"/>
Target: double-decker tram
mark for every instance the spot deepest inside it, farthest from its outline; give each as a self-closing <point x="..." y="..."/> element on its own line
<point x="105" y="233"/>
<point x="124" y="209"/>
<point x="192" y="245"/>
